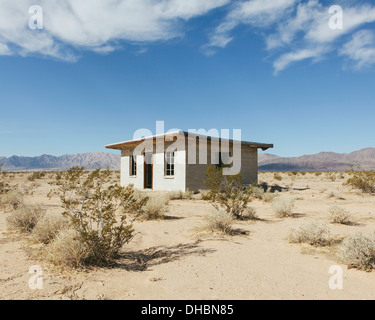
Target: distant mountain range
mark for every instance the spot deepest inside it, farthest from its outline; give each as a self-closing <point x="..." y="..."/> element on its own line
<point x="324" y="161"/>
<point x="90" y="161"/>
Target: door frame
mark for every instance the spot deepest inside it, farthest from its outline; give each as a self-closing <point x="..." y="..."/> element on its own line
<point x="152" y="170"/>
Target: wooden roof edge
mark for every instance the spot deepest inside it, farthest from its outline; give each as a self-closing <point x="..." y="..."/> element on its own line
<point x="122" y="145"/>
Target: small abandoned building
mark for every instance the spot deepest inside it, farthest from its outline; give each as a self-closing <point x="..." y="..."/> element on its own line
<point x="178" y="161"/>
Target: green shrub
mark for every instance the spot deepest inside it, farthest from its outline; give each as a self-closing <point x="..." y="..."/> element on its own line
<point x="227" y="192"/>
<point x="93" y="207"/>
<point x="363" y="180"/>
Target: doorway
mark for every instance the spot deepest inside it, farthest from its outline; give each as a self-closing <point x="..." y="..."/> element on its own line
<point x="148" y="171"/>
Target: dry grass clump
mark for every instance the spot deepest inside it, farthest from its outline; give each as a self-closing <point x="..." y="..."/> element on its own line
<point x="11" y="200"/>
<point x="67" y="250"/>
<point x="155" y="208"/>
<point x="313" y="233"/>
<point x="220" y="221"/>
<point x="250" y="214"/>
<point x="277" y="176"/>
<point x="205" y="194"/>
<point x="25" y="218"/>
<point x="181" y="195"/>
<point x="334" y="194"/>
<point x="282" y="206"/>
<point x="268" y="196"/>
<point x="48" y="227"/>
<point x="257" y="192"/>
<point x="340" y="215"/>
<point x="358" y="251"/>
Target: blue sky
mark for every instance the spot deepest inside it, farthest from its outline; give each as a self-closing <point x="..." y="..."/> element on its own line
<point x="272" y="68"/>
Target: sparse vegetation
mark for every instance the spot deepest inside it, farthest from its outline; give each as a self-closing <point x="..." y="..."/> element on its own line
<point x="340" y="215"/>
<point x="313" y="233"/>
<point x="362" y="179"/>
<point x="277" y="176"/>
<point x="181" y="195"/>
<point x="227" y="192"/>
<point x="93" y="207"/>
<point x="155" y="208"/>
<point x="283" y="207"/>
<point x="220" y="221"/>
<point x="25" y="218"/>
<point x="48" y="227"/>
<point x="358" y="251"/>
<point x="36" y="175"/>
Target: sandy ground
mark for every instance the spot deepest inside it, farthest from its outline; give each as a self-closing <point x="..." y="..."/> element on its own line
<point x="174" y="259"/>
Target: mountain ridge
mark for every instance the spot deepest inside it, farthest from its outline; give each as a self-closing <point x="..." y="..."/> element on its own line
<point x="322" y="161"/>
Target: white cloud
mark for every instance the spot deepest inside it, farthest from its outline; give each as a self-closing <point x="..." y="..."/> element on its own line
<point x="94" y="24"/>
<point x="301" y="28"/>
<point x="361" y="49"/>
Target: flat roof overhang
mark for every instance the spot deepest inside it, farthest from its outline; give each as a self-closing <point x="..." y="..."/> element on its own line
<point x="134" y="143"/>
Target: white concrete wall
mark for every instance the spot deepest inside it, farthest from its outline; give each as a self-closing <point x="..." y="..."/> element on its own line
<point x="160" y="181"/>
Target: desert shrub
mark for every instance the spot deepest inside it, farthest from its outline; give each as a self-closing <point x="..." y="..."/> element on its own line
<point x="67" y="249"/>
<point x="205" y="194"/>
<point x="25" y="218"/>
<point x="250" y="214"/>
<point x="11" y="200"/>
<point x="257" y="192"/>
<point x="36" y="175"/>
<point x="220" y="220"/>
<point x="181" y="195"/>
<point x="227" y="192"/>
<point x="92" y="207"/>
<point x="283" y="207"/>
<point x="154" y="209"/>
<point x="331" y="176"/>
<point x="48" y="227"/>
<point x="334" y="194"/>
<point x="277" y="176"/>
<point x="318" y="174"/>
<point x="268" y="197"/>
<point x="362" y="179"/>
<point x="339" y="215"/>
<point x="313" y="233"/>
<point x="358" y="251"/>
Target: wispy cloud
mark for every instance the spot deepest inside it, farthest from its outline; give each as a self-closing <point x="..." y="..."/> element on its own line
<point x="295" y="30"/>
<point x="94" y="24"/>
<point x="361" y="49"/>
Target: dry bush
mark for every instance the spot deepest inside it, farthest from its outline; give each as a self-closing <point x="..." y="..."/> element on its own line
<point x="277" y="176"/>
<point x="358" y="251"/>
<point x="313" y="233"/>
<point x="49" y="226"/>
<point x="97" y="212"/>
<point x="11" y="200"/>
<point x="36" y="175"/>
<point x="283" y="207"/>
<point x="227" y="192"/>
<point x="155" y="208"/>
<point x="67" y="250"/>
<point x="250" y="214"/>
<point x="25" y="218"/>
<point x="181" y="195"/>
<point x="334" y="194"/>
<point x="256" y="192"/>
<point x="363" y="180"/>
<point x="268" y="196"/>
<point x="220" y="221"/>
<point x="204" y="194"/>
<point x="340" y="215"/>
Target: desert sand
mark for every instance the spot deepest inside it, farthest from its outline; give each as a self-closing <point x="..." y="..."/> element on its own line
<point x="176" y="259"/>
